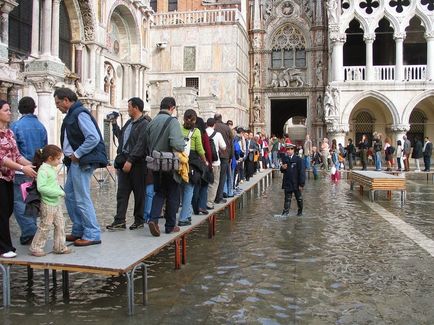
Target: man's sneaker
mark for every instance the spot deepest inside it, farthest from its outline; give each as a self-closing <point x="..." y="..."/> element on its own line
<point x="116" y="225"/>
<point x="136" y="225"/>
<point x="299" y="213"/>
<point x="284" y="213"/>
<point x="174" y="229"/>
<point x="184" y="223"/>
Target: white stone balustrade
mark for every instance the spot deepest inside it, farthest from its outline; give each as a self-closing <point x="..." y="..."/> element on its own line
<point x="198" y="17"/>
<point x="385" y="73"/>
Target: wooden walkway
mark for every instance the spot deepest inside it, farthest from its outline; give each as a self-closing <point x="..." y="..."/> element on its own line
<point x="376" y="181"/>
<point x="124" y="252"/>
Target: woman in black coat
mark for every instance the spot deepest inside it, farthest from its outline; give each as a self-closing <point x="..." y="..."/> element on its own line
<point x="417" y="153"/>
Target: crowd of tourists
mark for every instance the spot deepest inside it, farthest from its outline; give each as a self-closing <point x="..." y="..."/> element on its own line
<point x="208" y="161"/>
<point x="217" y="158"/>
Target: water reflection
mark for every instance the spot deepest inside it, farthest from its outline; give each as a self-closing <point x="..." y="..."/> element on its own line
<point x="340" y="263"/>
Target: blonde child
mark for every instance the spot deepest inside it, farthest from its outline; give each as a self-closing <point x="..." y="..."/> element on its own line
<point x="46" y="160"/>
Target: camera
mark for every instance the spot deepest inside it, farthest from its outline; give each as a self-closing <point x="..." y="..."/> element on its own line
<point x="112" y="116"/>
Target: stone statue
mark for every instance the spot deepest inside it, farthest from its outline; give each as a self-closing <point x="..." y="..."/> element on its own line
<point x="332" y="6"/>
<point x="256" y="110"/>
<point x="319" y="108"/>
<point x="328" y="102"/>
<point x="319" y="73"/>
<point x="81" y="91"/>
<point x="256" y="75"/>
<point x="336" y="99"/>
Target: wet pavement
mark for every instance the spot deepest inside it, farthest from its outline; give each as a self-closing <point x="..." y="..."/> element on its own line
<point x="346" y="261"/>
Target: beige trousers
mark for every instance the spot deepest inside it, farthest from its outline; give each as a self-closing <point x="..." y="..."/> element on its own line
<point x="50" y="215"/>
<point x="212" y="188"/>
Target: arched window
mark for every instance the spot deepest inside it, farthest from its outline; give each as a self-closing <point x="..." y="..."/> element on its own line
<point x="415" y="48"/>
<point x="363" y="125"/>
<point x="20" y="28"/>
<point x="384" y="44"/>
<point x="354" y="47"/>
<point x="65" y="46"/>
<point x="288" y="49"/>
<point x="417" y="126"/>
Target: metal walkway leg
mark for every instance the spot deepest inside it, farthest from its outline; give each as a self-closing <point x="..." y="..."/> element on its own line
<point x="6" y="285"/>
<point x="130" y="286"/>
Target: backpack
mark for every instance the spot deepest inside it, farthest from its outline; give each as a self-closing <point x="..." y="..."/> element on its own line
<point x="391" y="150"/>
<point x="214" y="154"/>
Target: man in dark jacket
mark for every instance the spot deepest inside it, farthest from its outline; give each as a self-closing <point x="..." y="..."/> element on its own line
<point x="131" y="176"/>
<point x="427" y="152"/>
<point x="84" y="150"/>
<point x="293" y="179"/>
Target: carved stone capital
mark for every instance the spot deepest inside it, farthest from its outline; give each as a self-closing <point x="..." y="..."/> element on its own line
<point x="400" y="36"/>
<point x="43" y="84"/>
<point x="400" y="128"/>
<point x="429" y="35"/>
<point x="369" y="37"/>
<point x="334" y="127"/>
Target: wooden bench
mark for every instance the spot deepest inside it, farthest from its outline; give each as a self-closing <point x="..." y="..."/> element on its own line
<point x="378" y="181"/>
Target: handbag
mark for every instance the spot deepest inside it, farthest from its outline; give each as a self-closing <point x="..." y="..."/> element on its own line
<point x="24" y="187"/>
<point x="162" y="161"/>
<point x="122" y="157"/>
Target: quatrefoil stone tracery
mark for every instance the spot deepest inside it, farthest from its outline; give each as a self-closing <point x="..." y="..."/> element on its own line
<point x="369" y="6"/>
<point x="428" y="3"/>
<point x="399" y="4"/>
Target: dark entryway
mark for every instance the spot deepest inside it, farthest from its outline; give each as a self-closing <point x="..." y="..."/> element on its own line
<point x="284" y="109"/>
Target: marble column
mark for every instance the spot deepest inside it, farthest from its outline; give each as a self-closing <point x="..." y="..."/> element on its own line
<point x="35" y="29"/>
<point x="337" y="61"/>
<point x="430" y="56"/>
<point x="398" y="131"/>
<point x="369" y="41"/>
<point x="92" y="61"/>
<point x="399" y="50"/>
<point x="46" y="28"/>
<point x="99" y="69"/>
<point x="78" y="60"/>
<point x="126" y="82"/>
<point x="13" y="102"/>
<point x="46" y="108"/>
<point x="55" y="28"/>
<point x="4" y="86"/>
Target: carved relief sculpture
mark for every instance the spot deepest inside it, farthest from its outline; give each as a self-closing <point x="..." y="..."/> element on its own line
<point x="332" y="7"/>
<point x="319" y="108"/>
<point x="318" y="73"/>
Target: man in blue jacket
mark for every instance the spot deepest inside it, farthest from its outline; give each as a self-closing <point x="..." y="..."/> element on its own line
<point x="30" y="135"/>
<point x="84" y="150"/>
<point x="293" y="179"/>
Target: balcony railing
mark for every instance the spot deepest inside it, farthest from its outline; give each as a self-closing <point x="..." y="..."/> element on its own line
<point x="385" y="73"/>
<point x="198" y="17"/>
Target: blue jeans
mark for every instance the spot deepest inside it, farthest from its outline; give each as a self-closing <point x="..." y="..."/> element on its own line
<point x="307" y="162"/>
<point x="228" y="187"/>
<point x="378" y="160"/>
<point x="79" y="203"/>
<point x="315" y="171"/>
<point x="149" y="195"/>
<point x="187" y="195"/>
<point x="27" y="224"/>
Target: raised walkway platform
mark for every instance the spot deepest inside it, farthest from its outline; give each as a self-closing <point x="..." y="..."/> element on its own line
<point x="124" y="252"/>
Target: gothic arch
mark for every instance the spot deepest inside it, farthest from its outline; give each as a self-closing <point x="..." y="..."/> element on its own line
<point x="391" y="108"/>
<point x="413" y="102"/>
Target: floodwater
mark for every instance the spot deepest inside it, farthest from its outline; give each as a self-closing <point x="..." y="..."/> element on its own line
<point x="341" y="263"/>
